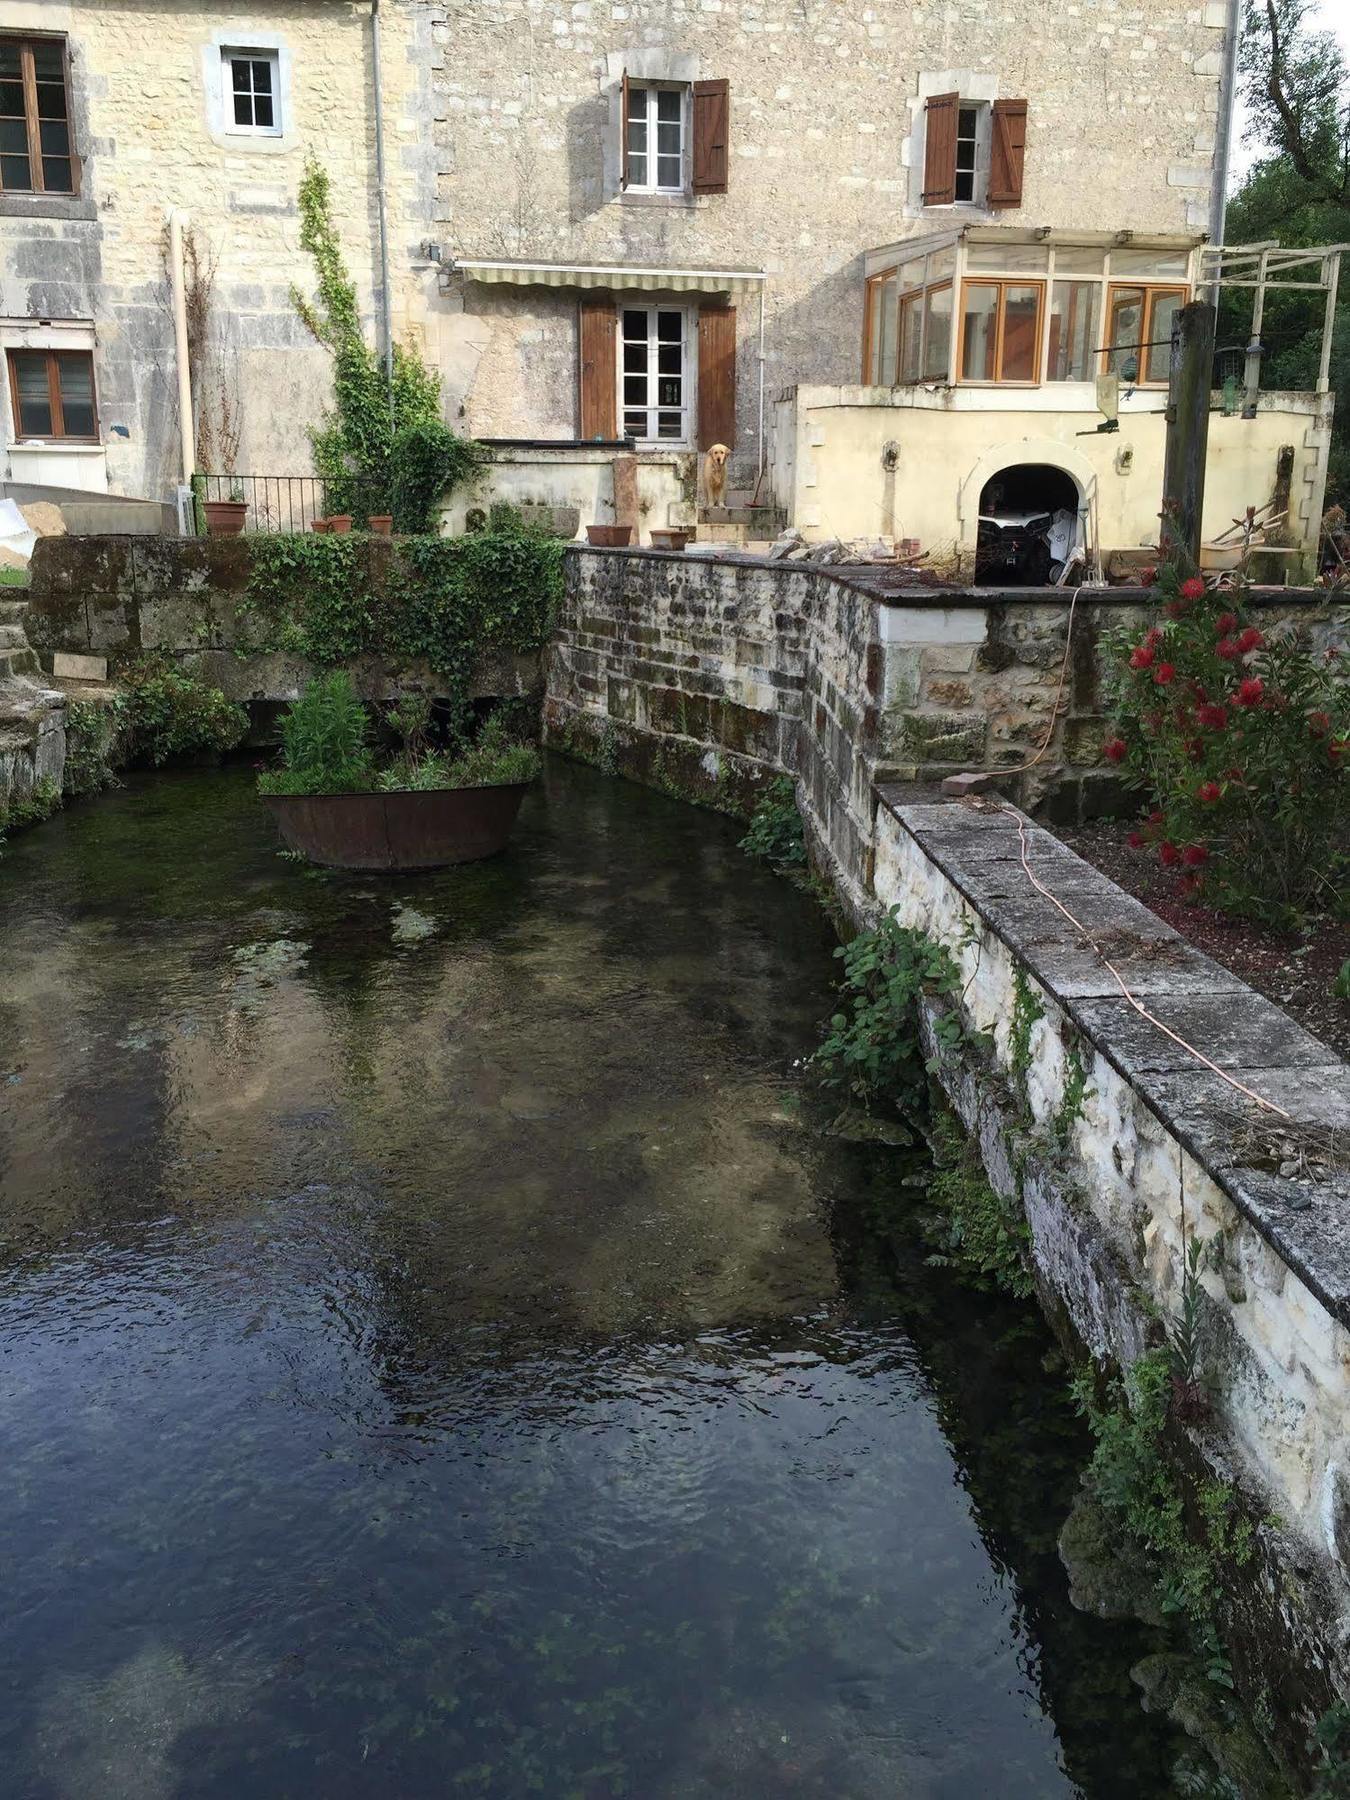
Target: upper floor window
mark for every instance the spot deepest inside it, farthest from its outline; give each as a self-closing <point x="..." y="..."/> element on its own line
<point x="36" y="152"/>
<point x="252" y="92"/>
<point x="674" y="137"/>
<point x="52" y="392"/>
<point x="973" y="151"/>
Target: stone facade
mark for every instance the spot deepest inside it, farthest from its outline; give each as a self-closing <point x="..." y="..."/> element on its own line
<point x="502" y="140"/>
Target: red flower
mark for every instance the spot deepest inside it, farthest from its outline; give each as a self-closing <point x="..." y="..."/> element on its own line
<point x="1250" y="639"/>
<point x="1141" y="657"/>
<point x="1148" y="576"/>
<point x="1175" y="608"/>
<point x="1194" y="855"/>
<point x="1115" y="749"/>
<point x="1155" y="817"/>
<point x="1136" y="840"/>
<point x="1191" y="886"/>
<point x="1170" y="855"/>
<point x="1209" y="792"/>
<point x="1164" y="673"/>
<point x="1194" y="589"/>
<point x="1250" y="691"/>
<point x="1212" y="717"/>
<point x="1225" y="625"/>
<point x="1227" y="649"/>
<point x="1337" y="748"/>
<point x="1319" y="723"/>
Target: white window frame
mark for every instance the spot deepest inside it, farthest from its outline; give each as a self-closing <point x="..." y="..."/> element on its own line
<point x="651" y="89"/>
<point x="229" y="55"/>
<point x="979" y="169"/>
<point x="688" y="359"/>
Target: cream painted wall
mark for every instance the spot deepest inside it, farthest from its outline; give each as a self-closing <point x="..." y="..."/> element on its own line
<point x="829" y="475"/>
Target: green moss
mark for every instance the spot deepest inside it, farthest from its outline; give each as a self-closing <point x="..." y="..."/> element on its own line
<point x="1074" y="1093"/>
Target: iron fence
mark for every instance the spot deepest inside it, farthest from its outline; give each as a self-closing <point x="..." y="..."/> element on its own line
<point x="282" y="503"/>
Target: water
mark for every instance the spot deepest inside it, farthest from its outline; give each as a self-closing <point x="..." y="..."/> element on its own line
<point x="439" y="1354"/>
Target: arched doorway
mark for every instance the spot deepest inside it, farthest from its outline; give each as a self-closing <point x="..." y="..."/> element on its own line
<point x="1030" y="522"/>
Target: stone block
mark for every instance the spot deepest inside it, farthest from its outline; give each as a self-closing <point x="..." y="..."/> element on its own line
<point x="931" y="624"/>
<point x="67" y="666"/>
<point x="945" y="737"/>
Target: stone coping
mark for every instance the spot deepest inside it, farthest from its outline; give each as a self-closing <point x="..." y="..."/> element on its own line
<point x="1304" y="1215"/>
<point x="875" y="580"/>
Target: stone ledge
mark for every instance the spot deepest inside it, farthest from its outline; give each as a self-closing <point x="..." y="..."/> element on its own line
<point x="1241" y="1147"/>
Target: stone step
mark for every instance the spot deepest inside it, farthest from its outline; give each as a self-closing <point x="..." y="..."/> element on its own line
<point x="17" y="662"/>
<point x="12" y="611"/>
<point x="12" y="636"/>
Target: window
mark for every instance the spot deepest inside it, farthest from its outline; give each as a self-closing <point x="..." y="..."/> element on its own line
<point x="1139" y="331"/>
<point x="1073" y="330"/>
<point x="656" y="140"/>
<point x="654" y="364"/>
<point x="53" y="394"/>
<point x="967" y="139"/>
<point x="36" y="152"/>
<point x="252" y="92"/>
<point x="1001" y="330"/>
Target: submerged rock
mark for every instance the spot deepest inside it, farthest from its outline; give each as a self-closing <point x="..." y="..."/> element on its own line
<point x="1205" y="1710"/>
<point x="1108" y="1576"/>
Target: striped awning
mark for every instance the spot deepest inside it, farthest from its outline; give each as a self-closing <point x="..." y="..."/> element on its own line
<point x="573" y="275"/>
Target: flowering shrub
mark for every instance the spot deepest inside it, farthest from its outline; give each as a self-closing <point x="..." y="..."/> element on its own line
<point x="1240" y="738"/>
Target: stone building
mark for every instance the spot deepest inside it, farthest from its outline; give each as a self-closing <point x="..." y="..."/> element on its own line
<point x="622" y="230"/>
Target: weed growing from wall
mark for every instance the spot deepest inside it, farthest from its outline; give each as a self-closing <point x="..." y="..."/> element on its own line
<point x="1075" y="1092"/>
<point x="91" y="747"/>
<point x="163" y="712"/>
<point x="776" y="835"/>
<point x="1027" y="1009"/>
<point x="973" y="1229"/>
<point x="30" y="809"/>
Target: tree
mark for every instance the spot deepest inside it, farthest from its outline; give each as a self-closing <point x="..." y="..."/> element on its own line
<point x="1296" y="86"/>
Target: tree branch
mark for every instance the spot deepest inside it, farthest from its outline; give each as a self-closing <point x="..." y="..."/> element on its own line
<point x="1295" y="143"/>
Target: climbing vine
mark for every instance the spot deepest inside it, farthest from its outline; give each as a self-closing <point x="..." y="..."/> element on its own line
<point x="375" y="453"/>
<point x="972" y="1228"/>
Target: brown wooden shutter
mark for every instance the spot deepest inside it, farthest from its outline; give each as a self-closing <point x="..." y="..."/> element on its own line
<point x="717" y="377"/>
<point x="597" y="340"/>
<point x="939" y="150"/>
<point x="712" y="136"/>
<point x="623" y="132"/>
<point x="1008" y="153"/>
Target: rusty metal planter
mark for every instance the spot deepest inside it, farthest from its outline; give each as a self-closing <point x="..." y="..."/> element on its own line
<point x="398" y="831"/>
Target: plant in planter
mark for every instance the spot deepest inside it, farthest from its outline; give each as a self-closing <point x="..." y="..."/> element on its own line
<point x="337" y="804"/>
<point x="226" y="518"/>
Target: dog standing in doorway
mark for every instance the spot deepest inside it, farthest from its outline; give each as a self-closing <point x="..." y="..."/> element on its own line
<point x="715" y="475"/>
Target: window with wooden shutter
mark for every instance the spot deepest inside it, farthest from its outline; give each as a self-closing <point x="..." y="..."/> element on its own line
<point x="939" y="150"/>
<point x="717" y="377"/>
<point x="597" y="343"/>
<point x="1007" y="153"/>
<point x="712" y="136"/>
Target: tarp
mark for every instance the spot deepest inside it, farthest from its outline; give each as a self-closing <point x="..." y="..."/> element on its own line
<point x="16" y="534"/>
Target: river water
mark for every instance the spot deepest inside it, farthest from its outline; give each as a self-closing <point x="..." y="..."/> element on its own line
<point x="441" y="1354"/>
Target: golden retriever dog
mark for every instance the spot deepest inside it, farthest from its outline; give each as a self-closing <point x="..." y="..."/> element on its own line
<point x="715" y="474"/>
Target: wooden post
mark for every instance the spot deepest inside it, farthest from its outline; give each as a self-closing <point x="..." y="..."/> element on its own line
<point x="1188" y="389"/>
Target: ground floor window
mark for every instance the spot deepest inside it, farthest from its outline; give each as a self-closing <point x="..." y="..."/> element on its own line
<point x="654" y="363"/>
<point x="53" y="394"/>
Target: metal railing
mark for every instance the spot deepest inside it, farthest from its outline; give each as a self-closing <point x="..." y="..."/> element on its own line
<point x="282" y="503"/>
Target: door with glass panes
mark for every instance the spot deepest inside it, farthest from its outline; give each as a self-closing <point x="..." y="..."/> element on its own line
<point x="654" y="366"/>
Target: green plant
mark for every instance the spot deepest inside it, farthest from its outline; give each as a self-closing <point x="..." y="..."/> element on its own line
<point x="1028" y="1007"/>
<point x="323" y="742"/>
<point x="91" y="747"/>
<point x="1072" y="1096"/>
<point x="973" y="1228"/>
<point x="1183" y="1343"/>
<point x="873" y="1048"/>
<point x="1341" y="986"/>
<point x="31" y="808"/>
<point x="13" y="578"/>
<point x="775" y="832"/>
<point x="163" y="712"/>
<point x="1239" y="737"/>
<point x="1331" y="1745"/>
<point x="427" y="460"/>
<point x="354" y="447"/>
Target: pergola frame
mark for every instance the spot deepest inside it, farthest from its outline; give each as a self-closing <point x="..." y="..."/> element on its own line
<point x="1266" y="266"/>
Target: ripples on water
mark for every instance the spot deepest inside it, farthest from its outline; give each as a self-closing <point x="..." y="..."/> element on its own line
<point x="439" y="1356"/>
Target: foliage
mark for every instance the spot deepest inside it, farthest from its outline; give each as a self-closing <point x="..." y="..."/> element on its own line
<point x="1183" y="1342"/>
<point x="1131" y="1475"/>
<point x="775" y="832"/>
<point x="1075" y="1092"/>
<point x="1028" y="1007"/>
<point x="326" y="750"/>
<point x="91" y="747"/>
<point x="1240" y="739"/>
<point x="426" y="461"/>
<point x="13" y="578"/>
<point x="32" y="808"/>
<point x="1331" y="1743"/>
<point x="442" y="600"/>
<point x="1297" y="193"/>
<point x="163" y="712"/>
<point x="354" y="447"/>
<point x="873" y="1049"/>
<point x="1341" y="986"/>
<point x="974" y="1228"/>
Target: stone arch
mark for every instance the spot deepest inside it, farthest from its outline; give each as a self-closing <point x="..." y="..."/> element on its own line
<point x="1054" y="452"/>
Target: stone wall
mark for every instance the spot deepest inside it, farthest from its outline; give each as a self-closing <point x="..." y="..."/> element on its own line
<point x="696" y="657"/>
<point x="187" y="598"/>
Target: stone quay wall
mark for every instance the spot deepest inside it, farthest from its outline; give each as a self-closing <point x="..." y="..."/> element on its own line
<point x="1117" y="1145"/>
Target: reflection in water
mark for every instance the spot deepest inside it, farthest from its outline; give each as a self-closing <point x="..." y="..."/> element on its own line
<point x="440" y="1356"/>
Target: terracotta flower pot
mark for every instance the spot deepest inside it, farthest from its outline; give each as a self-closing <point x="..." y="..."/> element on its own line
<point x="339" y="522"/>
<point x="671" y="539"/>
<point x="225" y="518"/>
<point x="382" y="524"/>
<point x="609" y="537"/>
<point x="319" y="525"/>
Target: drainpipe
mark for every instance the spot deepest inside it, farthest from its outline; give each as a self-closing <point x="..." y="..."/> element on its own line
<point x="386" y="308"/>
<point x="188" y="448"/>
<point x="1223" y="141"/>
